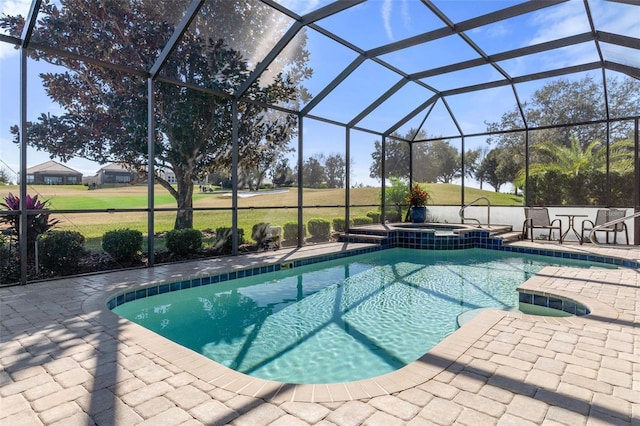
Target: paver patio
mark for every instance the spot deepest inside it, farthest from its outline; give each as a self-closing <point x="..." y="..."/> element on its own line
<point x="67" y="360"/>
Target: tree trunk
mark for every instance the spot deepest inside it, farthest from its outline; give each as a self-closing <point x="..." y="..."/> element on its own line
<point x="184" y="200"/>
<point x="183" y="196"/>
<point x="259" y="178"/>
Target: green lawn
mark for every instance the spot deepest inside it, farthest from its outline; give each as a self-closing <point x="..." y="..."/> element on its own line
<point x="273" y="208"/>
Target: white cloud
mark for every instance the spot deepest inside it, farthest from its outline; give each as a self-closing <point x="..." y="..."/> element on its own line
<point x="15" y="7"/>
<point x="12" y="7"/>
<point x="611" y="18"/>
<point x="7" y="50"/>
<point x="569" y="19"/>
<point x="406" y="16"/>
<point x="386" y="12"/>
<point x="559" y="21"/>
<point x="386" y="17"/>
<point x="300" y="6"/>
<point x="498" y="30"/>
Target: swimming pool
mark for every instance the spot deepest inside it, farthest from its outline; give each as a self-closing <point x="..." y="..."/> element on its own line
<point x="338" y="321"/>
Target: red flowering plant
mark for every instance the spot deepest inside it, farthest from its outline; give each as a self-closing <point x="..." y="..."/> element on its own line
<point x="37" y="223"/>
<point x="418" y="196"/>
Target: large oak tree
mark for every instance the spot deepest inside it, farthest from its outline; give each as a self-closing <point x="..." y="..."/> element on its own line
<point x="104" y="115"/>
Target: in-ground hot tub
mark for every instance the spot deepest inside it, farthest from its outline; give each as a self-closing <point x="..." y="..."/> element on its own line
<point x="440" y="228"/>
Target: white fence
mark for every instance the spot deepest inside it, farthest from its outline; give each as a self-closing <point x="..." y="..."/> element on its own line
<point x="514" y="216"/>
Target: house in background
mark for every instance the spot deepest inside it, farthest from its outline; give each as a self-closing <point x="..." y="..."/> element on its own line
<point x="120" y="174"/>
<point x="166" y="174"/>
<point x="53" y="173"/>
<point x="112" y="174"/>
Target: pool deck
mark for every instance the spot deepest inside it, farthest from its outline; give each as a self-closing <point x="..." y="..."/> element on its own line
<point x="65" y="359"/>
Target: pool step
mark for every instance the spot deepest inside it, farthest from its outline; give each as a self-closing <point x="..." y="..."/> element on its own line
<point x="365" y="234"/>
<point x="354" y="237"/>
<point x="508" y="236"/>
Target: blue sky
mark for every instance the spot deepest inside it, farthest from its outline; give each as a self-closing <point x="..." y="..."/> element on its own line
<point x="376" y="23"/>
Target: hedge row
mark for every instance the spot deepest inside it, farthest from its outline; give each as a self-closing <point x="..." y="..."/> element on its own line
<point x="61" y="252"/>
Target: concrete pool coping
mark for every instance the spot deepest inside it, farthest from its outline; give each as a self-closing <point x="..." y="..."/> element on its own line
<point x="456" y="358"/>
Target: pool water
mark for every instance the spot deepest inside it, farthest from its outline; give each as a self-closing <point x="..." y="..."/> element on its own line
<point x="338" y="321"/>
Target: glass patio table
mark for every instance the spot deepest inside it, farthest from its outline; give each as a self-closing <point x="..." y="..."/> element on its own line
<point x="571" y="219"/>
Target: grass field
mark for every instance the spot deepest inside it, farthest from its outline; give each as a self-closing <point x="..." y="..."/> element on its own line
<point x="275" y="208"/>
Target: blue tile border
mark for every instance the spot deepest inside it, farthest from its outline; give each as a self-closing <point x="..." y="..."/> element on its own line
<point x="131" y="295"/>
<point x="474" y="238"/>
<point x="626" y="263"/>
<point x="402" y="238"/>
<point x="553" y="302"/>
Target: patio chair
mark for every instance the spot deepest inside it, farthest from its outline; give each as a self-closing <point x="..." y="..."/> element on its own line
<point x="603" y="216"/>
<point x="538" y="218"/>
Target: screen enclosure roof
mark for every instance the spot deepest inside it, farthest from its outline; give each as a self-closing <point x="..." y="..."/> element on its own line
<point x="385" y="66"/>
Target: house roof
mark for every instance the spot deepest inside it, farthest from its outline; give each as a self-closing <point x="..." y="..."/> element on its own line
<point x="114" y="167"/>
<point x="53" y="167"/>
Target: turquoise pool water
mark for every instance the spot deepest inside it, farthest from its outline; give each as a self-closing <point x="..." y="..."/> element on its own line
<point x="338" y="321"/>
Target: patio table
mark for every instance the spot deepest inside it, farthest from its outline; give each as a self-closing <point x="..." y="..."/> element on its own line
<point x="571" y="219"/>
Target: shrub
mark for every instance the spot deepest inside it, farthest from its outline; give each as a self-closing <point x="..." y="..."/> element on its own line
<point x="393" y="214"/>
<point x="259" y="231"/>
<point x="9" y="262"/>
<point x="375" y="216"/>
<point x="362" y="220"/>
<point x="122" y="244"/>
<point x="224" y="238"/>
<point x="260" y="234"/>
<point x="61" y="251"/>
<point x="290" y="231"/>
<point x="339" y="224"/>
<point x="5" y="250"/>
<point x="319" y="228"/>
<point x="183" y="241"/>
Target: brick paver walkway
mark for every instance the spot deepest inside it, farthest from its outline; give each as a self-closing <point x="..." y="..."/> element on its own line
<point x="67" y="360"/>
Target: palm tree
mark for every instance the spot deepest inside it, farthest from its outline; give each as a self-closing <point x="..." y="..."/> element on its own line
<point x="621" y="156"/>
<point x="575" y="175"/>
<point x="570" y="159"/>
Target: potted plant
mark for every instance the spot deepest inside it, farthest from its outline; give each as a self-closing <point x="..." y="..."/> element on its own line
<point x="417" y="199"/>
